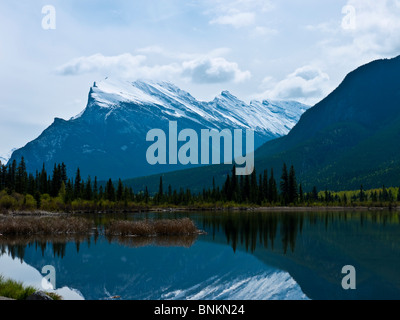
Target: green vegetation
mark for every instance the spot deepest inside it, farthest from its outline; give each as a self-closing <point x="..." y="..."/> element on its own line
<point x="57" y="193"/>
<point x="16" y="290"/>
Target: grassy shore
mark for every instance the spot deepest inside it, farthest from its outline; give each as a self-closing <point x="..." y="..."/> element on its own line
<point x="211" y="208"/>
<point x="16" y="290"/>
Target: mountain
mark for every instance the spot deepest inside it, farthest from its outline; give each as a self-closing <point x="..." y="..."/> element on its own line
<point x="4" y="158"/>
<point x="108" y="138"/>
<point x="348" y="139"/>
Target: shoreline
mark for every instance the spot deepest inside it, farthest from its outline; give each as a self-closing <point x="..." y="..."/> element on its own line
<point x="43" y="213"/>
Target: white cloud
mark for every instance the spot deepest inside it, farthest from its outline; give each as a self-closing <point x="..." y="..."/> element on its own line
<point x="263" y="31"/>
<point x="214" y="70"/>
<point x="237" y="13"/>
<point x="209" y="68"/>
<point x="237" y="20"/>
<point x="374" y="32"/>
<point x="123" y="64"/>
<point x="307" y="84"/>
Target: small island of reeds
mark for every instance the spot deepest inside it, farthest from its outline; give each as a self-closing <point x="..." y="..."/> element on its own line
<point x="31" y="225"/>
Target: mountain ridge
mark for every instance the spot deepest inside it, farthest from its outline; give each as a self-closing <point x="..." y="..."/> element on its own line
<point x="108" y="138"/>
<point x="348" y="139"/>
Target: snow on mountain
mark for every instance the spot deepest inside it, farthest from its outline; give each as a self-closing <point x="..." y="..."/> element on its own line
<point x="276" y="285"/>
<point x="5" y="157"/>
<point x="108" y="138"/>
<point x="274" y="118"/>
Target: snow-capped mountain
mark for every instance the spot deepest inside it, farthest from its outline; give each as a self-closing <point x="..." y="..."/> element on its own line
<point x="5" y="157"/>
<point x="108" y="138"/>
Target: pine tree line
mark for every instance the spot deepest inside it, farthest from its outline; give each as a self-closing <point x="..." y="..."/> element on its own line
<point x="258" y="188"/>
<point x="255" y="189"/>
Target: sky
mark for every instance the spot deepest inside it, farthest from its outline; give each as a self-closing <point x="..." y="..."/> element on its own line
<point x="51" y="52"/>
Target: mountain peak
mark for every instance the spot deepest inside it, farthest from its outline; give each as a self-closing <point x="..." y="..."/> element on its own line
<point x="120" y="113"/>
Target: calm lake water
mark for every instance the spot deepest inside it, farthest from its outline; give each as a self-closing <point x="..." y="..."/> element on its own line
<point x="245" y="255"/>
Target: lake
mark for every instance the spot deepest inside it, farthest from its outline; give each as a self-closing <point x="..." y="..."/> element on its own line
<point x="244" y="256"/>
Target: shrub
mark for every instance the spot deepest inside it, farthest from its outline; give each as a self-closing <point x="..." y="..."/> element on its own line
<point x="30" y="202"/>
<point x="7" y="202"/>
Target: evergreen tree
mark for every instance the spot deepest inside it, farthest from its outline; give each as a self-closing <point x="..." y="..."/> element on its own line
<point x="253" y="187"/>
<point x="120" y="190"/>
<point x="3" y="174"/>
<point x="315" y="193"/>
<point x="301" y="194"/>
<point x="362" y="194"/>
<point x="38" y="199"/>
<point x="64" y="176"/>
<point x="101" y="193"/>
<point x="43" y="181"/>
<point x="95" y="190"/>
<point x="78" y="185"/>
<point x="227" y="189"/>
<point x="384" y="194"/>
<point x="260" y="189"/>
<point x="169" y="193"/>
<point x="284" y="185"/>
<point x="265" y="186"/>
<point x="213" y="190"/>
<point x="63" y="192"/>
<point x="88" y="190"/>
<point x="56" y="181"/>
<point x="235" y="185"/>
<point x="374" y="196"/>
<point x="246" y="189"/>
<point x="272" y="189"/>
<point x="110" y="191"/>
<point x="31" y="185"/>
<point x="146" y="195"/>
<point x="69" y="192"/>
<point x="292" y="186"/>
<point x="159" y="197"/>
<point x="21" y="178"/>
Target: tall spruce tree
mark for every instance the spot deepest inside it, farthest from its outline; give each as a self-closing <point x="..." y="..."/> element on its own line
<point x="78" y="185"/>
<point x="265" y="186"/>
<point x="301" y="194"/>
<point x="292" y="186"/>
<point x="314" y="193"/>
<point x="110" y="191"/>
<point x="284" y="184"/>
<point x="272" y="188"/>
<point x="88" y="189"/>
<point x="21" y="178"/>
<point x="95" y="189"/>
<point x="120" y="190"/>
<point x="43" y="181"/>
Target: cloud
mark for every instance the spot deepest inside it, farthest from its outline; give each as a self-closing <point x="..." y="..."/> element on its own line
<point x="307" y="84"/>
<point x="209" y="68"/>
<point x="237" y="20"/>
<point x="237" y="13"/>
<point x="214" y="70"/>
<point x="377" y="26"/>
<point x="123" y="63"/>
<point x="263" y="31"/>
<point x="368" y="30"/>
